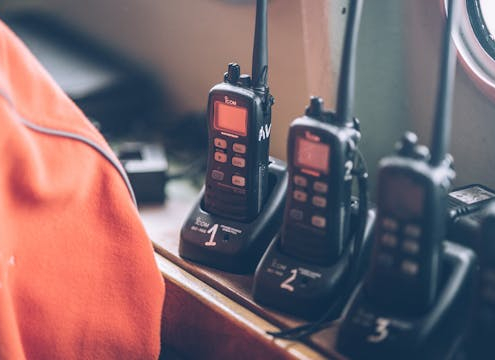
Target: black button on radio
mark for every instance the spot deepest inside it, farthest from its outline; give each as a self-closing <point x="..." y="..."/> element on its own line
<point x="296" y="214"/>
<point x="217" y="175"/>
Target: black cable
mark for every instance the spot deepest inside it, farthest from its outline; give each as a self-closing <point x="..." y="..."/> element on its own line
<point x="361" y="174"/>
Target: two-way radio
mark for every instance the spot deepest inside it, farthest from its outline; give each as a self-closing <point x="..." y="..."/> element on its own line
<point x="239" y="124"/>
<point x="321" y="154"/>
<point x="412" y="205"/>
<point x="414" y="297"/>
<point x="240" y="207"/>
<point x="315" y="238"/>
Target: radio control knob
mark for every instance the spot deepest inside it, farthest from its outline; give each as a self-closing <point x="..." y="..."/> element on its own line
<point x="407" y="145"/>
<point x="233" y="73"/>
<point x="315" y="108"/>
<point x="245" y="80"/>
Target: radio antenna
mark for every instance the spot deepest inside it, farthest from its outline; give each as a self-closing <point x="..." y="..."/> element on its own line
<point x="260" y="48"/>
<point x="443" y="113"/>
<point x="345" y="93"/>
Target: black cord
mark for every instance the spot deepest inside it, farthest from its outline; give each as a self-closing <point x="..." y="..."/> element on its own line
<point x="360" y="173"/>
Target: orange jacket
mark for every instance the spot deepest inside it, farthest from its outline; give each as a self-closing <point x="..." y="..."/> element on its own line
<point x="77" y="274"/>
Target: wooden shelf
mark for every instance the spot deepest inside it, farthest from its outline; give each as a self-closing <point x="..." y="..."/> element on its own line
<point x="163" y="225"/>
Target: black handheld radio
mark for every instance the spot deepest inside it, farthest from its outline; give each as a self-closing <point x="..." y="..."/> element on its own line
<point x="411" y="207"/>
<point x="321" y="153"/>
<point x="312" y="265"/>
<point x="239" y="124"/>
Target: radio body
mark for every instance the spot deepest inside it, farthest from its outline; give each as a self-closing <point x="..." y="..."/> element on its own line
<point x="239" y="126"/>
<point x="318" y="206"/>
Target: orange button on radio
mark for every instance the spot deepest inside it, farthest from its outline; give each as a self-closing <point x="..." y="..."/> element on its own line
<point x="220" y="157"/>
<point x="239" y="148"/>
<point x="238" y="180"/>
<point x="239" y="162"/>
<point x="220" y="143"/>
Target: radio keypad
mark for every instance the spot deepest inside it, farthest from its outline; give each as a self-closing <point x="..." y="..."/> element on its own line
<point x="226" y="151"/>
<point x="400" y="239"/>
<point x="309" y="201"/>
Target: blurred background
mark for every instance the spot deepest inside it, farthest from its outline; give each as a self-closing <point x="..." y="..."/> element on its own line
<point x="183" y="48"/>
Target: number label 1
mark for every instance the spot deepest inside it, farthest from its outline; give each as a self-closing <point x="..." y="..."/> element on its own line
<point x="213" y="232"/>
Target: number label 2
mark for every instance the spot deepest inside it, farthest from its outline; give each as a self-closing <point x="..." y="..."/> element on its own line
<point x="348" y="170"/>
<point x="286" y="283"/>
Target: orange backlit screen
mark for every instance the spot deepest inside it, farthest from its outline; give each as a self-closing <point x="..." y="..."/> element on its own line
<point x="230" y="118"/>
<point x="312" y="155"/>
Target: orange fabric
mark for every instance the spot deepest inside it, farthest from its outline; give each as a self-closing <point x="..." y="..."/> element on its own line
<point x="77" y="274"/>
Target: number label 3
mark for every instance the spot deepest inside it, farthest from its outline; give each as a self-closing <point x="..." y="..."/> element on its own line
<point x="381" y="331"/>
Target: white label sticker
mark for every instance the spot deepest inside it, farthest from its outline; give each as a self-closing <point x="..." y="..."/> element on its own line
<point x="213" y="232"/>
<point x="286" y="284"/>
<point x="381" y="331"/>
